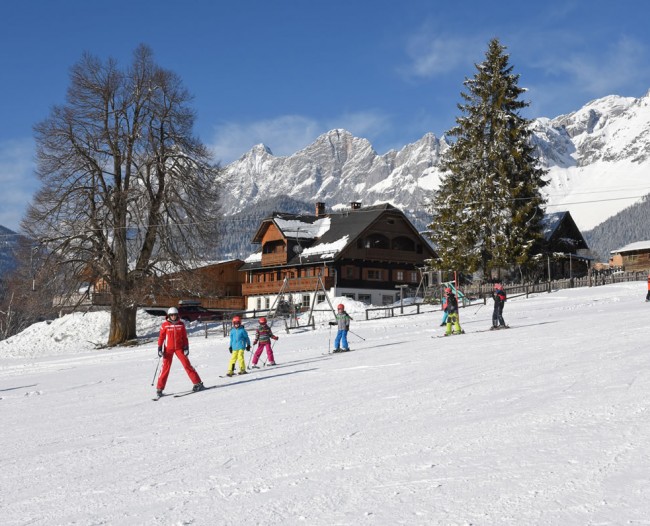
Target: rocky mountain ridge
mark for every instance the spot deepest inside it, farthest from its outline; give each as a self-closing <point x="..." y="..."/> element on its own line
<point x="580" y="149"/>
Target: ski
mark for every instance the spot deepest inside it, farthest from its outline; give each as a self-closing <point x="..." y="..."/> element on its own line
<point x="159" y="397"/>
<point x="448" y="335"/>
<point x="494" y="329"/>
<point x="179" y="395"/>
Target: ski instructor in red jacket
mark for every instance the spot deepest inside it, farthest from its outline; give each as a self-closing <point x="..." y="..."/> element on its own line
<point x="173" y="340"/>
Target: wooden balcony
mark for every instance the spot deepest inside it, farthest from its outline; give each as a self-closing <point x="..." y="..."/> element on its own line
<point x="274" y="258"/>
<point x="295" y="285"/>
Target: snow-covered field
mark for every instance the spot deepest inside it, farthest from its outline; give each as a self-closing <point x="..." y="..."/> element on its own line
<point x="543" y="424"/>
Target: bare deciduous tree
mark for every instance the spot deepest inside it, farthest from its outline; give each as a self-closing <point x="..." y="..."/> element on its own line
<point x="126" y="187"/>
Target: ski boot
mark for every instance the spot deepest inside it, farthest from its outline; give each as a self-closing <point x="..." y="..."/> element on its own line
<point x="198" y="387"/>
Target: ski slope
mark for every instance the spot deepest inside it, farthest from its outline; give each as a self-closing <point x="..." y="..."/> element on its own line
<point x="545" y="423"/>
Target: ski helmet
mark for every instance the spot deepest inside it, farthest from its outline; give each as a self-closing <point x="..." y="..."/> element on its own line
<point x="497" y="286"/>
<point x="262" y="319"/>
<point x="236" y="319"/>
<point x="341" y="306"/>
<point x="447" y="290"/>
<point x="172" y="310"/>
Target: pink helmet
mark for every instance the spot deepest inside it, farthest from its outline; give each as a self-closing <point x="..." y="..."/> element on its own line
<point x="236" y="319"/>
<point x="262" y="319"/>
<point x="447" y="290"/>
<point x="498" y="286"/>
<point x="341" y="306"/>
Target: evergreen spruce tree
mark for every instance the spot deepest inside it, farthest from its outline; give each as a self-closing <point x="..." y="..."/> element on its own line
<point x="488" y="209"/>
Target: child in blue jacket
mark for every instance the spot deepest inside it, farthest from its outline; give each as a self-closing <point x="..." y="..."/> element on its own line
<point x="239" y="341"/>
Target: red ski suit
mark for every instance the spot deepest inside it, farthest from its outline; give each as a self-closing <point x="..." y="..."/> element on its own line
<point x="174" y="338"/>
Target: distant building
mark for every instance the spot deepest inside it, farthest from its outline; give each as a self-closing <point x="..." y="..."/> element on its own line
<point x="632" y="257"/>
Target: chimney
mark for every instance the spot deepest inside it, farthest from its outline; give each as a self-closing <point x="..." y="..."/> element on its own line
<point x="355" y="205"/>
<point x="320" y="209"/>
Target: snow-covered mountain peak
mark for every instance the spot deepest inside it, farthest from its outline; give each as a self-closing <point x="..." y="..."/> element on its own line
<point x="582" y="149"/>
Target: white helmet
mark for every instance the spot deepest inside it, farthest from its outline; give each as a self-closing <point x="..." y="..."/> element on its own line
<point x="172" y="310"/>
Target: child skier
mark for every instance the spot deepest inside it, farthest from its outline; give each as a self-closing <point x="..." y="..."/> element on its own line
<point x="444" y="312"/>
<point x="263" y="335"/>
<point x="499" y="297"/>
<point x="343" y="323"/>
<point x="453" y="317"/>
<point x="173" y="341"/>
<point x="238" y="342"/>
<point x="647" y="296"/>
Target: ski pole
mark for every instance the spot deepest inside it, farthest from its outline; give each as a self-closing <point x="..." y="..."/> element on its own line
<point x="154" y="373"/>
<point x="357" y="335"/>
<point x="329" y="341"/>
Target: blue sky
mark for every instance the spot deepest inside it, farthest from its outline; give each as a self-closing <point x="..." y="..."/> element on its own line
<point x="284" y="72"/>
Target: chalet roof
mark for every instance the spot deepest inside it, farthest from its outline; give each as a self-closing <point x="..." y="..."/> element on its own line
<point x="551" y="222"/>
<point x="322" y="238"/>
<point x="555" y="222"/>
<point x="632" y="247"/>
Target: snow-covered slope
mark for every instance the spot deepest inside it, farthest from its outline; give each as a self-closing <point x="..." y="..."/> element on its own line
<point x="545" y="423"/>
<point x="598" y="159"/>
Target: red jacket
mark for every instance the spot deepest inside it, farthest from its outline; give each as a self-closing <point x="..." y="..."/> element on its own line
<point x="173" y="335"/>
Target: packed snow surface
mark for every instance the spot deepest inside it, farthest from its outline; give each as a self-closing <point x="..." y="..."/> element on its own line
<point x="544" y="423"/>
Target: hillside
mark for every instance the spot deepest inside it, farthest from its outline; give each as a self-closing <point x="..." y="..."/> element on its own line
<point x="545" y="423"/>
<point x="628" y="226"/>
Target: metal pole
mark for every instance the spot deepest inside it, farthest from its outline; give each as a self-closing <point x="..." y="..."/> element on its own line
<point x="156" y="371"/>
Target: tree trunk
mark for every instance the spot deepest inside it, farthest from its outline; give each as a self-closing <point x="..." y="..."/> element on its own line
<point x="122" y="324"/>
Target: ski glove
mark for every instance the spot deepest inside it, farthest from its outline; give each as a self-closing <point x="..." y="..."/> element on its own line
<point x="254" y="342"/>
<point x="186" y="351"/>
<point x="230" y="349"/>
<point x="248" y="348"/>
<point x="332" y="323"/>
<point x="275" y="337"/>
<point x="160" y="351"/>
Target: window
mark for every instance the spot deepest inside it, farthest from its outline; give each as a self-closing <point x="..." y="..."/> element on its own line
<point x="365" y="298"/>
<point x="413" y="277"/>
<point x="399" y="275"/>
<point x="387" y="300"/>
<point x="348" y="295"/>
<point x="305" y="300"/>
<point x="403" y="243"/>
<point x="374" y="274"/>
<point x="267" y="303"/>
<point x="320" y="298"/>
<point x="377" y="241"/>
<point x="259" y="303"/>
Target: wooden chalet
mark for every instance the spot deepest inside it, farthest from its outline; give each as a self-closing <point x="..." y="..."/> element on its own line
<point x="215" y="286"/>
<point x="564" y="249"/>
<point x="633" y="257"/>
<point x="364" y="253"/>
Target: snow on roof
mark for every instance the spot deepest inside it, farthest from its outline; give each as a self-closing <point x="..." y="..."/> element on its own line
<point x="326" y="250"/>
<point x="550" y="222"/>
<point x="638" y="245"/>
<point x="255" y="257"/>
<point x="295" y="228"/>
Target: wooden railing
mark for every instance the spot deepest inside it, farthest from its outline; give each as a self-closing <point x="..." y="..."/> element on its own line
<point x="273" y="258"/>
<point x="307" y="284"/>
